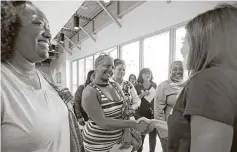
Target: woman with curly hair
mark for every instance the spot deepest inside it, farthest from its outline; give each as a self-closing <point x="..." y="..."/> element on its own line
<point x="34" y="116"/>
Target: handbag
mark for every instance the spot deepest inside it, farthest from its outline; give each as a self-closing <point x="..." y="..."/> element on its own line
<point x="76" y="138"/>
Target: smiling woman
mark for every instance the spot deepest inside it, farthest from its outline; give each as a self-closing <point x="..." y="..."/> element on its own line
<point x="31" y="110"/>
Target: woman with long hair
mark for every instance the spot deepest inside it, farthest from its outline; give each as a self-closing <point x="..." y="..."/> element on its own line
<point x="79" y="111"/>
<point x="204" y="117"/>
<point x="145" y="87"/>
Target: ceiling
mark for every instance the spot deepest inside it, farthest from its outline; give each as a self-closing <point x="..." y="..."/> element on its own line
<point x="92" y="18"/>
<point x="58" y="12"/>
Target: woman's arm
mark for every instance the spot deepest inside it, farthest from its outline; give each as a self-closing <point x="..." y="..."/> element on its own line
<point x="141" y="95"/>
<point x="135" y="98"/>
<point x="160" y="103"/>
<point x="158" y="124"/>
<point x="139" y="92"/>
<point x="209" y="135"/>
<point x="92" y="107"/>
<point x="77" y="98"/>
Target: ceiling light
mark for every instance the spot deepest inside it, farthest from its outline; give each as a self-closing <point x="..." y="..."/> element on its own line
<point x="61" y="38"/>
<point x="53" y="47"/>
<point x="76" y="22"/>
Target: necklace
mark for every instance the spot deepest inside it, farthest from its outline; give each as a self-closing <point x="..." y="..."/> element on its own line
<point x="102" y="85"/>
<point x="29" y="76"/>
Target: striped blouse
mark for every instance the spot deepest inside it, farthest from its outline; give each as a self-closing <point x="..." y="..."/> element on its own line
<point x="97" y="138"/>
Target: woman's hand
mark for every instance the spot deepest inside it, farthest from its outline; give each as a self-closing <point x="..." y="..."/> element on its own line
<point x="143" y="127"/>
<point x="144" y="119"/>
<point x="81" y="121"/>
<point x="154" y="123"/>
<point x="146" y="92"/>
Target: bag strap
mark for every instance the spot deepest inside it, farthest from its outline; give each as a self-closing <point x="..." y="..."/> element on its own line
<point x="93" y="85"/>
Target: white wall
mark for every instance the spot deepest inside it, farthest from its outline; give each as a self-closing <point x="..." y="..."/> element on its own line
<point x="150" y="17"/>
<point x="59" y="65"/>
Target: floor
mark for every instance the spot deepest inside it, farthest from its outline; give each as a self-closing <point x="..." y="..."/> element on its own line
<point x="146" y="145"/>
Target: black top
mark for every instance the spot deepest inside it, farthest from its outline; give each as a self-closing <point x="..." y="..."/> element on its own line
<point x="211" y="93"/>
<point x="146" y="108"/>
<point x="79" y="111"/>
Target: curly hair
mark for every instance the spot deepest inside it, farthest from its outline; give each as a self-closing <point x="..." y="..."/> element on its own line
<point x="10" y="26"/>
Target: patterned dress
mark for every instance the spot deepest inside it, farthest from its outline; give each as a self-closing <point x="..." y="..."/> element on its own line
<point x="128" y="110"/>
<point x="97" y="138"/>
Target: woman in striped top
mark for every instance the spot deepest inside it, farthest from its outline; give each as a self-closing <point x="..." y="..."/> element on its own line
<point x="103" y="102"/>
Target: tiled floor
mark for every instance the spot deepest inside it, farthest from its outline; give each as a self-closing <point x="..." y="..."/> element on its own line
<point x="146" y="145"/>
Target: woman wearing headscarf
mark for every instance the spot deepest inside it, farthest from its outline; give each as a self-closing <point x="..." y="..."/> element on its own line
<point x="166" y="97"/>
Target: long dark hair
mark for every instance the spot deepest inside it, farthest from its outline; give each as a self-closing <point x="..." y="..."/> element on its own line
<point x="144" y="70"/>
<point x="88" y="78"/>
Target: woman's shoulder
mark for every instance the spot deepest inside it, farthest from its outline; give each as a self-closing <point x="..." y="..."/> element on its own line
<point x="89" y="89"/>
<point x="138" y="86"/>
<point x="214" y="75"/>
<point x="81" y="87"/>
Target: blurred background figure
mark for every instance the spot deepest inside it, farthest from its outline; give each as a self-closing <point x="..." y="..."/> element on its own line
<point x="133" y="79"/>
<point x="128" y="89"/>
<point x="82" y="117"/>
<point x="146" y="90"/>
<point x="166" y="96"/>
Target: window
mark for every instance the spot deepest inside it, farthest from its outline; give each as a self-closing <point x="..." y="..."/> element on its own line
<point x="96" y="56"/>
<point x="81" y="72"/>
<point x="74" y="76"/>
<point x="113" y="52"/>
<point x="89" y="64"/>
<point x="68" y="75"/>
<point x="180" y="34"/>
<point x="156" y="56"/>
<point x="130" y="54"/>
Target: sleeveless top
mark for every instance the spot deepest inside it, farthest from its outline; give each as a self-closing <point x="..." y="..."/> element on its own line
<point x="97" y="138"/>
